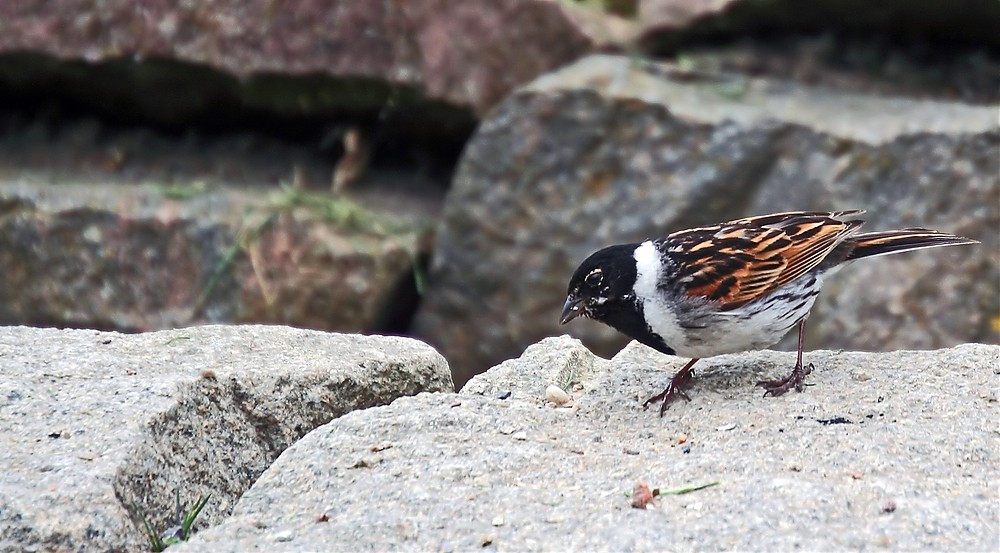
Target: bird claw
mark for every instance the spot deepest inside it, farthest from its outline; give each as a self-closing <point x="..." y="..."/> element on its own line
<point x="674" y="389"/>
<point x="795" y="379"/>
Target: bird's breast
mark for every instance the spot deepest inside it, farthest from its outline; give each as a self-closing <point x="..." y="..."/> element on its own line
<point x="757" y="325"/>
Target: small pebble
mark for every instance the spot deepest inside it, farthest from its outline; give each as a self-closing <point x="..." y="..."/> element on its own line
<point x="520" y="436"/>
<point x="889" y="506"/>
<point x="726" y="427"/>
<point x="556" y="395"/>
<point x="498" y="521"/>
<point x="283" y="536"/>
<point x="682" y="438"/>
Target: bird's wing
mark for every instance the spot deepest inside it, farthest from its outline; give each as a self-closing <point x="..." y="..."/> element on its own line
<point x="736" y="262"/>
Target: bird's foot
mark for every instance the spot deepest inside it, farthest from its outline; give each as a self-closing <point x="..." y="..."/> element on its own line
<point x="795" y="379"/>
<point x="673" y="390"/>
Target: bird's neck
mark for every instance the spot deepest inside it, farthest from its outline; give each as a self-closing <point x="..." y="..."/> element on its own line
<point x="632" y="323"/>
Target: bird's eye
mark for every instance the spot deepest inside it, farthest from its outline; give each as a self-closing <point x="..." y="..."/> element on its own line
<point x="594" y="278"/>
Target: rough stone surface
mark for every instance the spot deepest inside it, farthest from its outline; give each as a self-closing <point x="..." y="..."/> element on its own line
<point x="662" y="15"/>
<point x="610" y="151"/>
<point x="140" y="258"/>
<point x="561" y="361"/>
<point x="470" y="54"/>
<point x="874" y="455"/>
<point x="94" y="422"/>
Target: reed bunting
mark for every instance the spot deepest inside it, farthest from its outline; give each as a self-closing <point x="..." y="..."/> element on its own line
<point x="730" y="287"/>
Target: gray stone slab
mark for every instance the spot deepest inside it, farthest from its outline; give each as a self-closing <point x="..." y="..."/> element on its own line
<point x="94" y="422"/>
<point x="883" y="451"/>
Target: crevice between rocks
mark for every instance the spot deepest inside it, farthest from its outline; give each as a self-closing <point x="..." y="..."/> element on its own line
<point x="849" y="60"/>
<point x="164" y="120"/>
<point x="224" y="431"/>
<point x="176" y="97"/>
<point x="962" y="23"/>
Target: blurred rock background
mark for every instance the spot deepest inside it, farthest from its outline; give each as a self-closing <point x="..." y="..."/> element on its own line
<point x="438" y="169"/>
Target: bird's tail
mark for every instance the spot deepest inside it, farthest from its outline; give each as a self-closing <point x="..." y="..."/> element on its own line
<point x="870" y="244"/>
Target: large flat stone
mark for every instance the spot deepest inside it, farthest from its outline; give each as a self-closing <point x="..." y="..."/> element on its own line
<point x="893" y="450"/>
<point x="469" y="54"/>
<point x="92" y="423"/>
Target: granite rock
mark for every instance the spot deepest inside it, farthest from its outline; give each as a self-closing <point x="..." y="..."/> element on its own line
<point x="871" y="455"/>
<point x="470" y="54"/>
<point x="96" y="427"/>
<point x="139" y="257"/>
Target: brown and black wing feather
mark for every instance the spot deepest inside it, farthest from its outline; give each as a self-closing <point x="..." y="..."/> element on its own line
<point x="736" y="262"/>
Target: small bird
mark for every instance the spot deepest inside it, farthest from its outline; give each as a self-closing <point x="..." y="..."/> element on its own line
<point x="354" y="162"/>
<point x="730" y="287"/>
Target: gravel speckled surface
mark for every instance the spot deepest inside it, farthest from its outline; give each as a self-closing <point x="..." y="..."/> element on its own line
<point x="91" y="422"/>
<point x="883" y="451"/>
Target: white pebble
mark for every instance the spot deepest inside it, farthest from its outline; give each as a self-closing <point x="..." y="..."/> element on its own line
<point x="556" y="395"/>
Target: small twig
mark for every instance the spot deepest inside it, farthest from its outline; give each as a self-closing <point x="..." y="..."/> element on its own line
<point x="683" y="490"/>
<point x="643" y="497"/>
<point x="246" y="236"/>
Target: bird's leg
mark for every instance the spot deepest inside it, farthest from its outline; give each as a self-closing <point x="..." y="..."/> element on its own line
<point x="795" y="378"/>
<point x="674" y="389"/>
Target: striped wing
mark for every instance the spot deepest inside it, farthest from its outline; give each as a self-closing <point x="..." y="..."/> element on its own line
<point x="736" y="262"/>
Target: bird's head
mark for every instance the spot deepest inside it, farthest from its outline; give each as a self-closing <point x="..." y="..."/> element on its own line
<point x="601" y="284"/>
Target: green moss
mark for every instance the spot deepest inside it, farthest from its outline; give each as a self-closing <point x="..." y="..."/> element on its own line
<point x="339" y="211"/>
<point x="184" y="191"/>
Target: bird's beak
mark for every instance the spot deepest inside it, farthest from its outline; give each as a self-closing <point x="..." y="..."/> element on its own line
<point x="572" y="309"/>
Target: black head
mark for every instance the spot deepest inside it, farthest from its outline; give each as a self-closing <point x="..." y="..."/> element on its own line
<point x="601" y="285"/>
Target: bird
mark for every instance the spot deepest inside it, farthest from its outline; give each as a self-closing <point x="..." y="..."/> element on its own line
<point x="354" y="162"/>
<point x="728" y="288"/>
